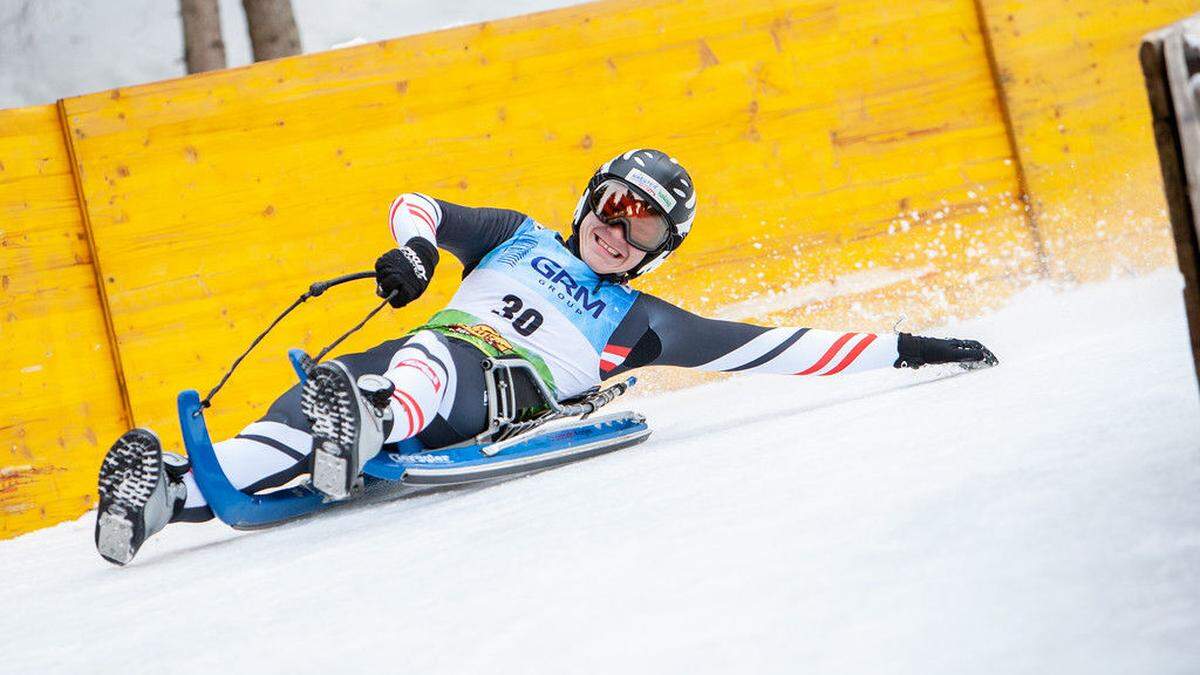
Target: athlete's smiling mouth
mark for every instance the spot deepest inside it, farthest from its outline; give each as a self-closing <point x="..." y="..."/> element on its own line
<point x="605" y="246"/>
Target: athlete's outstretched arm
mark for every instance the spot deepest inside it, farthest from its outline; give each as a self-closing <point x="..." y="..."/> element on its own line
<point x="658" y="333"/>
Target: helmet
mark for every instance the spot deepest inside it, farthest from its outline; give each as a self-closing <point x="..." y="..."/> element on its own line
<point x="658" y="179"/>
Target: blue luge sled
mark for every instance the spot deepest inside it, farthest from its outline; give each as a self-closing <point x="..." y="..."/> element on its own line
<point x="408" y="463"/>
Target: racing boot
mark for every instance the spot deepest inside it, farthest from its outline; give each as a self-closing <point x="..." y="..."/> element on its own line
<point x="141" y="490"/>
<point x="347" y="425"/>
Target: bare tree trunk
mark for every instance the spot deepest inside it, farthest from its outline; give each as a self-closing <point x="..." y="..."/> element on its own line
<point x="203" y="48"/>
<point x="273" y="32"/>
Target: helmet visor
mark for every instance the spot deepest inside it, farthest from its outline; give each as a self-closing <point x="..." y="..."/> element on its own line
<point x="615" y="203"/>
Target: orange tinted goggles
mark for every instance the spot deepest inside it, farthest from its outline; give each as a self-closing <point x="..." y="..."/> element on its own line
<point x="615" y="203"/>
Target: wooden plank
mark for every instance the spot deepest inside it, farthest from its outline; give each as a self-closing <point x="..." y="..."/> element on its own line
<point x="61" y="405"/>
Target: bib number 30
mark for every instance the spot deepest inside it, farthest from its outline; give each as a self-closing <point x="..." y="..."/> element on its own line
<point x="523" y="322"/>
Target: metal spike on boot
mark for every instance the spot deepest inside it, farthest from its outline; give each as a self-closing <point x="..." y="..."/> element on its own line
<point x="347" y="425"/>
<point x="141" y="489"/>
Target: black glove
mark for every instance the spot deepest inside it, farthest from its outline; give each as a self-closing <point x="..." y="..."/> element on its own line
<point x="406" y="270"/>
<point x="916" y="351"/>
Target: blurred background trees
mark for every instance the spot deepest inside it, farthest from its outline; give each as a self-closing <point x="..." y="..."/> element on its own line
<point x="271" y="24"/>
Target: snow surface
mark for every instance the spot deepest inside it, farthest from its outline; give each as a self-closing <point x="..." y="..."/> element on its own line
<point x="1042" y="516"/>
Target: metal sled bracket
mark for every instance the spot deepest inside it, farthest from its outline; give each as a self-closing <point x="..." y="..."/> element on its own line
<point x="501" y="377"/>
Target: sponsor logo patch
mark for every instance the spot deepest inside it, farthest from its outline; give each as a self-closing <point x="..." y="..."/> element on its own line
<point x="652" y="187"/>
<point x="418" y="459"/>
<point x="577" y="296"/>
<point x="483" y="332"/>
<point x="517" y="250"/>
<point x="415" y="261"/>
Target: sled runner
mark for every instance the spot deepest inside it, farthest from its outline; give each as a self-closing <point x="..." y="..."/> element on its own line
<point x="518" y="441"/>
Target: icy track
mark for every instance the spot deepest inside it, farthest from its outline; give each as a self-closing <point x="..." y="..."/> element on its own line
<point x="1040" y="517"/>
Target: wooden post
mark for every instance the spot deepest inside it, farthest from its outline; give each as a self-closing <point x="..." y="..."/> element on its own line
<point x="1171" y="63"/>
<point x="273" y="32"/>
<point x="203" y="48"/>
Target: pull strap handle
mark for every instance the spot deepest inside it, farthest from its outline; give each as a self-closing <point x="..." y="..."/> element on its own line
<point x="315" y="290"/>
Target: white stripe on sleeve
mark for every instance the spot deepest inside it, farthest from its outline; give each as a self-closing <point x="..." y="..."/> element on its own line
<point x="749" y="351"/>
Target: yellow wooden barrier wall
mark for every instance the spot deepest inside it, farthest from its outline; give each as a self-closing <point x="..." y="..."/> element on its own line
<point x="1070" y="74"/>
<point x="60" y="404"/>
<point x="852" y="159"/>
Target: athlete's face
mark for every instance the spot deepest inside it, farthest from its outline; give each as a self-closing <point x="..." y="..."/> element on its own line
<point x="603" y="247"/>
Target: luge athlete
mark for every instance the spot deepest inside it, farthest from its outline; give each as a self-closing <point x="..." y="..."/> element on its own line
<point x="564" y="306"/>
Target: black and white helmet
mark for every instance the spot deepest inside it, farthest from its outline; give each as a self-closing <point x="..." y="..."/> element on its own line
<point x="661" y="181"/>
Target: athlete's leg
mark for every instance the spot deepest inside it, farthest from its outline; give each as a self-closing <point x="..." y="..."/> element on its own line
<point x="439" y="395"/>
<point x="266" y="454"/>
<point x="425" y="379"/>
<point x="440" y="381"/>
<point x="349" y="424"/>
<point x="463" y="412"/>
